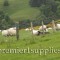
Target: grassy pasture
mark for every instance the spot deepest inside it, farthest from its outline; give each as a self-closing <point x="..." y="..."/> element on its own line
<point x="33" y="42"/>
<point x="20" y="9"/>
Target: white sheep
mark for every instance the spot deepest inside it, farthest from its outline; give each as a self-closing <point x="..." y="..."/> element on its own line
<point x="35" y="32"/>
<point x="58" y="26"/>
<point x="5" y="33"/>
<point x="9" y="32"/>
<point x="42" y="27"/>
<point x="12" y="32"/>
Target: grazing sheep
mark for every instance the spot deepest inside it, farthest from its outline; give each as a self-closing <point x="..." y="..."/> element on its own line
<point x="5" y="33"/>
<point x="9" y="32"/>
<point x="44" y="27"/>
<point x="36" y="32"/>
<point x="58" y="26"/>
<point x="12" y="32"/>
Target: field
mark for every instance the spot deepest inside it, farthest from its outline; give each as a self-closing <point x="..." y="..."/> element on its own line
<point x="33" y="42"/>
<point x="20" y="9"/>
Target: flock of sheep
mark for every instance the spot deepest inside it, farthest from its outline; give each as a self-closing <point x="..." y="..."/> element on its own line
<point x="12" y="31"/>
<point x="43" y="28"/>
<point x="39" y="31"/>
<point x="9" y="32"/>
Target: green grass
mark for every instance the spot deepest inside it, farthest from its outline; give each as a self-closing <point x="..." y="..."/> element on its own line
<point x="20" y="9"/>
<point x="33" y="42"/>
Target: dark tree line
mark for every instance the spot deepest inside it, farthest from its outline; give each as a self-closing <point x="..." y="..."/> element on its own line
<point x="36" y="3"/>
<point x="50" y="9"/>
<point x="6" y="3"/>
<point x="5" y="21"/>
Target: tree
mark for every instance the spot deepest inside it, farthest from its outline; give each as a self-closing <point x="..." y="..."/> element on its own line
<point x="6" y="3"/>
<point x="5" y="21"/>
<point x="34" y="3"/>
<point x="58" y="11"/>
<point x="47" y="7"/>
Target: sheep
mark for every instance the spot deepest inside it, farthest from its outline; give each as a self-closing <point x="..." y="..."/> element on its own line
<point x="38" y="32"/>
<point x="35" y="32"/>
<point x="46" y="31"/>
<point x="9" y="32"/>
<point x="58" y="26"/>
<point x="41" y="28"/>
<point x="5" y="33"/>
<point x="12" y="32"/>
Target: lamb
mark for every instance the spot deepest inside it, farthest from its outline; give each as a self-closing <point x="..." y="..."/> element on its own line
<point x="58" y="26"/>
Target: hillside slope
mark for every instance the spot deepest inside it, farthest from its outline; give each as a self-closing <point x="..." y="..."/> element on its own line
<point x="20" y="9"/>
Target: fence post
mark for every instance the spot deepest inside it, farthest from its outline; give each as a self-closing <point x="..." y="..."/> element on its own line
<point x="43" y="27"/>
<point x="32" y="28"/>
<point x="17" y="30"/>
<point x="53" y="26"/>
<point x="32" y="41"/>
